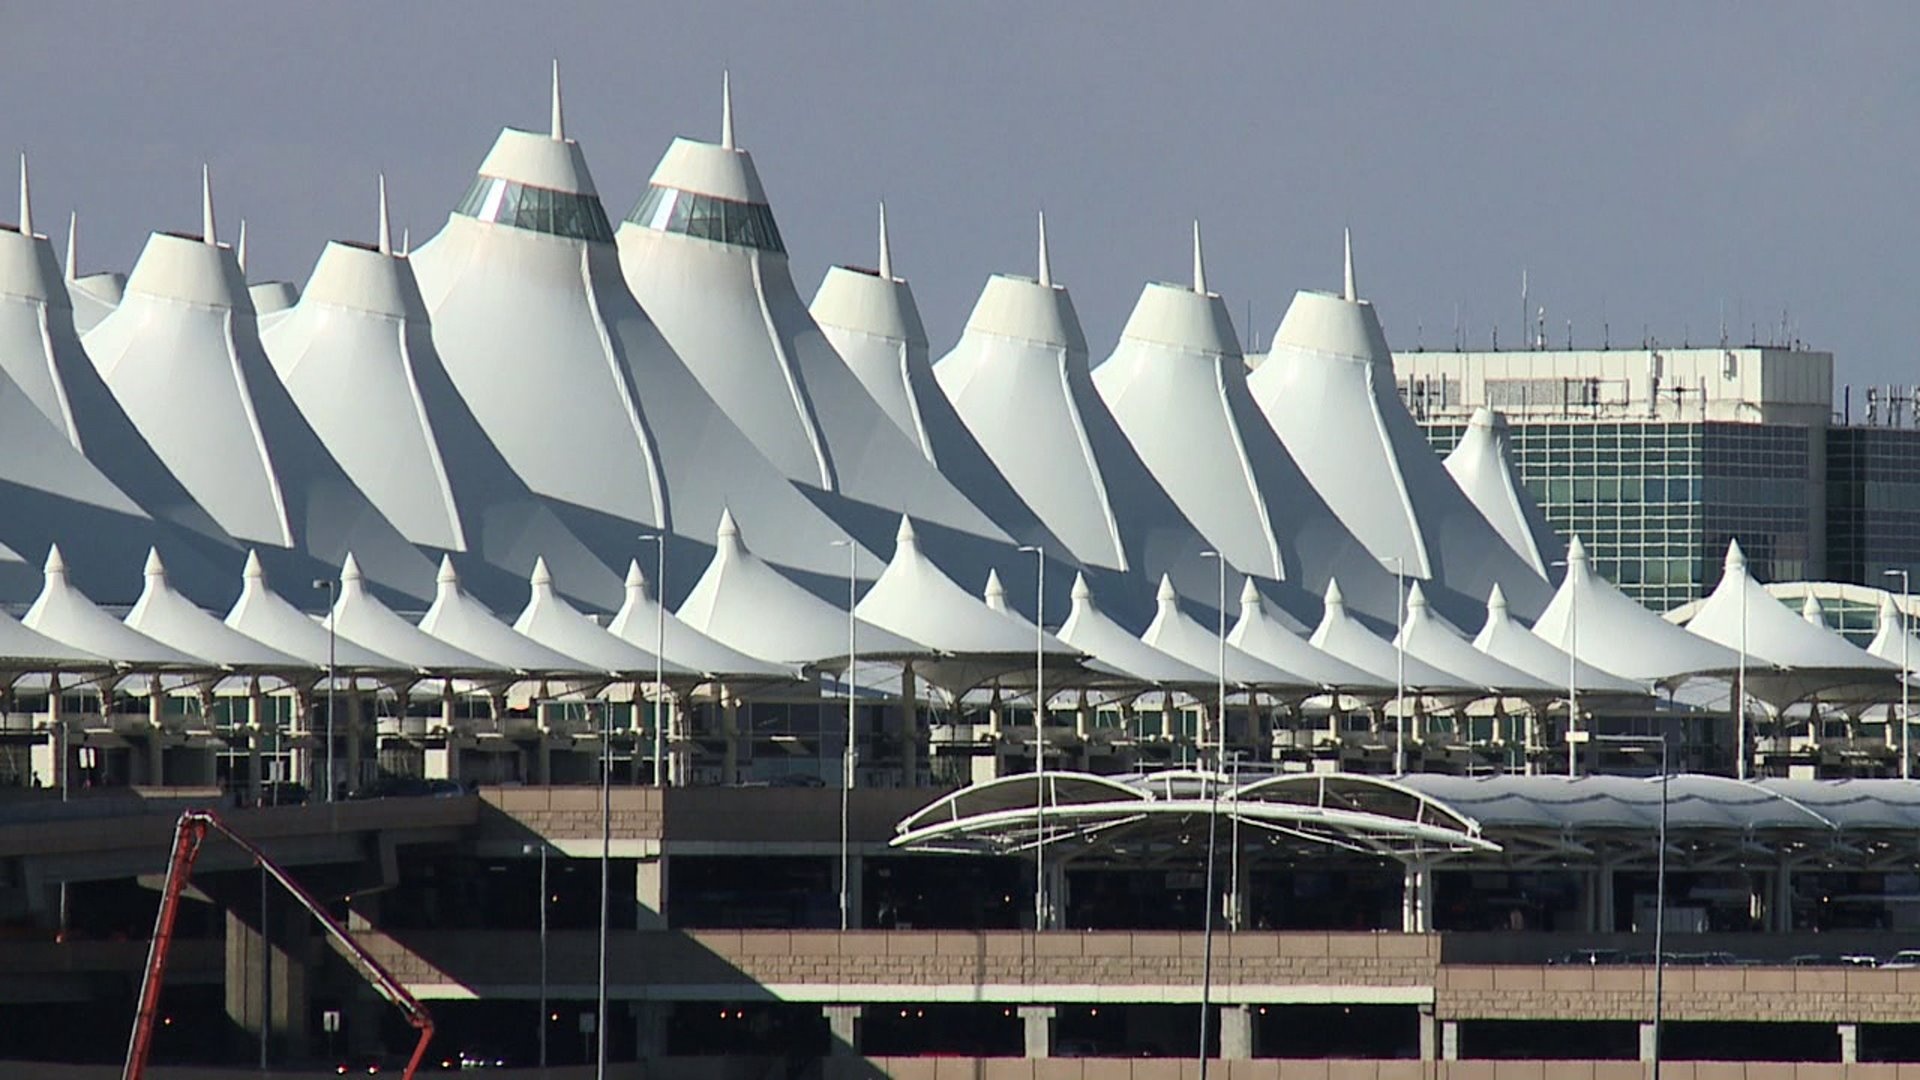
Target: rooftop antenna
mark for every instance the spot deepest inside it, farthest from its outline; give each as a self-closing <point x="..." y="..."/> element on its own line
<point x="1540" y="328"/>
<point x="886" y="248"/>
<point x="1351" y="291"/>
<point x="1723" y="322"/>
<point x="386" y="232"/>
<point x="73" y="229"/>
<point x="1046" y="264"/>
<point x="726" y="110"/>
<point x="559" y="126"/>
<point x="1569" y="335"/>
<point x="1199" y="262"/>
<point x="26" y="200"/>
<point x="207" y="234"/>
<point x="240" y="248"/>
<point x="406" y="240"/>
<point x="1458" y="341"/>
<point x="1526" y="309"/>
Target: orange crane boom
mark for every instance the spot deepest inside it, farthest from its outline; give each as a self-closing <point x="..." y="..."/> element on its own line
<point x="188" y="837"/>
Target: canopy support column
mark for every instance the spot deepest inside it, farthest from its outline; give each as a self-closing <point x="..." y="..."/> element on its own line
<point x="730" y="731"/>
<point x="679" y="752"/>
<point x="1416" y="898"/>
<point x="300" y="754"/>
<point x="257" y="737"/>
<point x="156" y="744"/>
<point x="354" y="749"/>
<point x="909" y="726"/>
<point x="56" y="734"/>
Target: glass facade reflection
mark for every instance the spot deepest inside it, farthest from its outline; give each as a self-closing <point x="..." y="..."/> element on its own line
<point x="1873" y="504"/>
<point x="1656" y="502"/>
<point x="708" y="217"/>
<point x="537" y="209"/>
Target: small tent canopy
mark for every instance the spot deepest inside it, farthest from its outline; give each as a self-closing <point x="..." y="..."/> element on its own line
<point x="1426" y="637"/>
<point x="642" y="621"/>
<point x="359" y="616"/>
<point x="266" y="617"/>
<point x="64" y="613"/>
<point x="1894" y="641"/>
<point x="1178" y="635"/>
<point x="1806" y="659"/>
<point x="1259" y="634"/>
<point x="1504" y="639"/>
<point x="553" y="623"/>
<point x="1347" y="639"/>
<point x="1089" y="630"/>
<point x="463" y="622"/>
<point x="747" y="604"/>
<point x="171" y="619"/>
<point x="1482" y="464"/>
<point x="1617" y="635"/>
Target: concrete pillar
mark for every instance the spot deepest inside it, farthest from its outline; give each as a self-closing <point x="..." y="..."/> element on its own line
<point x="1449" y="1040"/>
<point x="267" y="974"/>
<point x="1056" y="894"/>
<point x="909" y="728"/>
<point x="156" y="735"/>
<point x="1429" y="1035"/>
<point x="1082" y="718"/>
<point x="1236" y="1033"/>
<point x="1849" y="1044"/>
<point x="1416" y="898"/>
<point x="996" y="720"/>
<point x="730" y="731"/>
<point x="679" y="746"/>
<point x="1648" y="1042"/>
<point x="355" y="781"/>
<point x="650" y="1024"/>
<point x="1039" y="1021"/>
<point x="300" y="756"/>
<point x="56" y="732"/>
<point x="650" y="893"/>
<point x="843" y="1024"/>
<point x="257" y="722"/>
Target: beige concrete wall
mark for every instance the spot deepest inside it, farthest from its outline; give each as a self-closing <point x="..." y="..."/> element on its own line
<point x="1854" y="995"/>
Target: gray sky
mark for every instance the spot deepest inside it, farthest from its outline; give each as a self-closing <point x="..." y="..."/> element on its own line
<point x="1651" y="164"/>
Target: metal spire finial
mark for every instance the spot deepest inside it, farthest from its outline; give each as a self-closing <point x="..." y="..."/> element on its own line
<point x="207" y="233"/>
<point x="1351" y="291"/>
<point x="726" y="110"/>
<point x="26" y="200"/>
<point x="386" y="231"/>
<point x="1199" y="262"/>
<point x="558" y="127"/>
<point x="1046" y="263"/>
<point x="886" y="249"/>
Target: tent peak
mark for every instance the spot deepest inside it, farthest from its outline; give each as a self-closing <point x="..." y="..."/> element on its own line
<point x="1082" y="592"/>
<point x="1165" y="594"/>
<point x="904" y="536"/>
<point x="1736" y="559"/>
<point x="1350" y="291"/>
<point x="542" y="578"/>
<point x="996" y="592"/>
<point x="447" y="575"/>
<point x="72" y="272"/>
<point x="1335" y="598"/>
<point x="1496" y="602"/>
<point x="384" y="237"/>
<point x="350" y="569"/>
<point x="253" y="571"/>
<point x="1416" y="600"/>
<point x="26" y="200"/>
<point x="1577" y="552"/>
<point x="56" y="565"/>
<point x="155" y="568"/>
<point x="729" y="529"/>
<point x="208" y="235"/>
<point x="726" y="109"/>
<point x="1249" y="595"/>
<point x="557" y="127"/>
<point x="1199" y="262"/>
<point x="1045" y="267"/>
<point x="240" y="249"/>
<point x="636" y="579"/>
<point x="1810" y="611"/>
<point x="886" y="249"/>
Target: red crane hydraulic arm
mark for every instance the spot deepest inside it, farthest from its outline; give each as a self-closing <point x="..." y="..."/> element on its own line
<point x="188" y="836"/>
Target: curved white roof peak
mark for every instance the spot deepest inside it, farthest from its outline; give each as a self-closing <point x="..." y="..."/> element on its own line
<point x="917" y="600"/>
<point x="1617" y="635"/>
<point x="726" y="109"/>
<point x="995" y="593"/>
<point x="557" y="126"/>
<point x="1045" y="261"/>
<point x="383" y="231"/>
<point x="1507" y="641"/>
<point x="1028" y="310"/>
<point x="552" y="622"/>
<point x="1259" y="634"/>
<point x="186" y="270"/>
<point x="641" y="621"/>
<point x="1178" y="635"/>
<point x="361" y="617"/>
<point x="1093" y="632"/>
<point x="164" y="615"/>
<point x="26" y="200"/>
<point x="1482" y="465"/>
<point x="209" y="234"/>
<point x="1348" y="640"/>
<point x="706" y="169"/>
<point x="886" y="247"/>
<point x="266" y="617"/>
<point x="464" y="623"/>
<point x="537" y="159"/>
<point x="65" y="614"/>
<point x="1810" y="611"/>
<point x="1893" y="641"/>
<point x="1741" y="614"/>
<point x="1350" y="290"/>
<point x="1199" y="262"/>
<point x="1425" y="636"/>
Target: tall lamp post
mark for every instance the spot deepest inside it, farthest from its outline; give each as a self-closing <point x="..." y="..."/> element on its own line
<point x="541" y="849"/>
<point x="331" y="588"/>
<point x="659" y="541"/>
<point x="1573" y="666"/>
<point x="1906" y="761"/>
<point x="1039" y="735"/>
<point x="1213" y="814"/>
<point x="846" y="751"/>
<point x="1659" y="886"/>
<point x="1399" y="667"/>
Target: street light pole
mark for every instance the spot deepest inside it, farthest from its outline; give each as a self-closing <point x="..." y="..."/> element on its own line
<point x="1659" y="889"/>
<point x="846" y="752"/>
<point x="1906" y="760"/>
<point x="332" y="599"/>
<point x="1399" y="667"/>
<point x="1213" y="814"/>
<point x="659" y="540"/>
<point x="1573" y="666"/>
<point x="1039" y="734"/>
<point x="542" y="1031"/>
<point x="1740" y="724"/>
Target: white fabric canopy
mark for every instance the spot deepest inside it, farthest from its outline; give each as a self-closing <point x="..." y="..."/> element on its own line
<point x="1259" y="634"/>
<point x="915" y="599"/>
<point x="1090" y="630"/>
<point x="463" y="622"/>
<point x="1348" y="639"/>
<point x="1893" y="641"/>
<point x="267" y="617"/>
<point x="359" y="616"/>
<point x="171" y="619"/>
<point x="555" y="624"/>
<point x="1482" y="464"/>
<point x="63" y="613"/>
<point x="1504" y="639"/>
<point x="747" y="604"/>
<point x="1425" y="636"/>
<point x="639" y="621"/>
<point x="1617" y="635"/>
<point x="1175" y="633"/>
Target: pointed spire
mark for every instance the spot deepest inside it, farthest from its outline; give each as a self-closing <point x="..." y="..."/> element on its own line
<point x="905" y="537"/>
<point x="56" y="566"/>
<point x="886" y="249"/>
<point x="385" y="236"/>
<point x="406" y="241"/>
<point x="1350" y="291"/>
<point x="1165" y="595"/>
<point x="155" y="568"/>
<point x="1810" y="611"/>
<point x="73" y="231"/>
<point x="726" y="110"/>
<point x="1416" y="602"/>
<point x="1046" y="263"/>
<point x="636" y="581"/>
<point x="1497" y="604"/>
<point x="559" y="126"/>
<point x="26" y="200"/>
<point x="728" y="534"/>
<point x="447" y="575"/>
<point x="1736" y="559"/>
<point x="996" y="593"/>
<point x="1890" y="616"/>
<point x="350" y="571"/>
<point x="1576" y="554"/>
<point x="1199" y="262"/>
<point x="542" y="578"/>
<point x="207" y="232"/>
<point x="1250" y="597"/>
<point x="1336" y="601"/>
<point x="1082" y="592"/>
<point x="253" y="571"/>
<point x="240" y="248"/>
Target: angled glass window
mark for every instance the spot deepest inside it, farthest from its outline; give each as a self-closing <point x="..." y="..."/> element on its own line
<point x="536" y="209"/>
<point x="708" y="217"/>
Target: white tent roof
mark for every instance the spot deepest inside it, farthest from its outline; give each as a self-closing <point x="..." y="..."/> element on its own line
<point x="266" y="617"/>
<point x="1617" y="635"/>
<point x="65" y="614"/>
<point x="745" y="603"/>
<point x="21" y="647"/>
<point x="465" y="623"/>
<point x="359" y="616"/>
<point x="1424" y="635"/>
<point x="1175" y="633"/>
<point x="1888" y="643"/>
<point x="357" y="356"/>
<point x="1259" y="634"/>
<point x="1482" y="464"/>
<point x="171" y="619"/>
<point x="1348" y="639"/>
<point x="1018" y="379"/>
<point x="1504" y="639"/>
<point x="29" y="285"/>
<point x="639" y="621"/>
<point x="1177" y="386"/>
<point x="662" y="453"/>
<point x="1090" y="630"/>
<point x="730" y="310"/>
<point x="1327" y="387"/>
<point x="555" y="624"/>
<point x="1741" y="612"/>
<point x="915" y="599"/>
